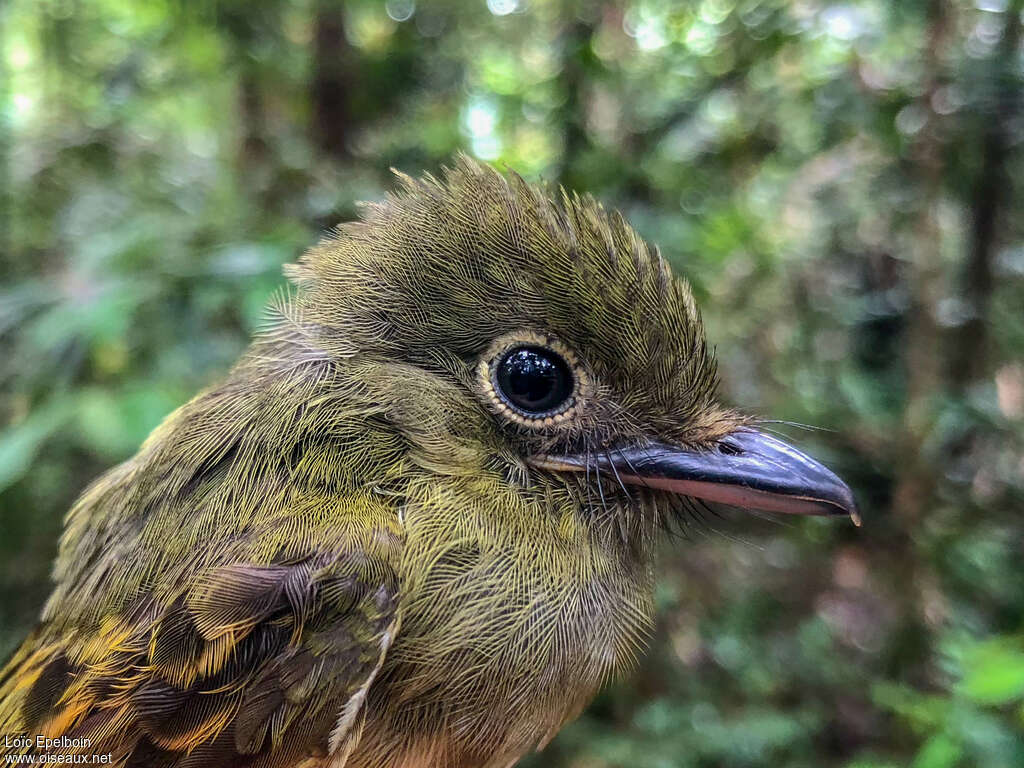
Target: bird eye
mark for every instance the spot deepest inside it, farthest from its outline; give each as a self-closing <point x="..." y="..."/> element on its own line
<point x="534" y="381"/>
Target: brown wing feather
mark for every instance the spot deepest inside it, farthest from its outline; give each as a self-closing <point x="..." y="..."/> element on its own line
<point x="248" y="666"/>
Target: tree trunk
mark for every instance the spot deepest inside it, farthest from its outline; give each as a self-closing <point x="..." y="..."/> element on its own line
<point x="924" y="339"/>
<point x="334" y="64"/>
<point x="991" y="197"/>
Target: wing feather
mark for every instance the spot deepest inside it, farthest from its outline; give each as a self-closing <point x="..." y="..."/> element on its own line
<point x="249" y="664"/>
<point x="225" y="596"/>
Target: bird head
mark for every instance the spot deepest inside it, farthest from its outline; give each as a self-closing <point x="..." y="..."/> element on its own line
<point x="544" y="339"/>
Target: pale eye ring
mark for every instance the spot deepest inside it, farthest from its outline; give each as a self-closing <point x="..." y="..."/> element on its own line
<point x="533" y="380"/>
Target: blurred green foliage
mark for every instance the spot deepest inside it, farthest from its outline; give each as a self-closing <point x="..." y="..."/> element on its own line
<point x="840" y="181"/>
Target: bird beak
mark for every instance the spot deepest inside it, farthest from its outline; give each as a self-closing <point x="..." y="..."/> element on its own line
<point x="746" y="468"/>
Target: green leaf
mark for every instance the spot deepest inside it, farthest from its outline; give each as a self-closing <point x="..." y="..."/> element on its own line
<point x="940" y="751"/>
<point x="923" y="712"/>
<point x="19" y="444"/>
<point x="994" y="673"/>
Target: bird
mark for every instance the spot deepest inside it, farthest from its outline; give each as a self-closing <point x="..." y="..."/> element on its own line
<point x="415" y="525"/>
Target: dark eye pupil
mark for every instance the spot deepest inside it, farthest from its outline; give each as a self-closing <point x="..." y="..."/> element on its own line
<point x="533" y="379"/>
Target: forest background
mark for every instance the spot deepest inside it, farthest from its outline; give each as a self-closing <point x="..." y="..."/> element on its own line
<point x="841" y="183"/>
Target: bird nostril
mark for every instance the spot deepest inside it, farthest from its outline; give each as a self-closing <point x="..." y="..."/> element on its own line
<point x="729" y="449"/>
